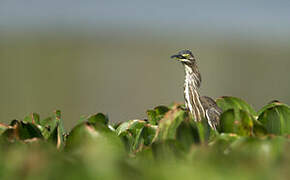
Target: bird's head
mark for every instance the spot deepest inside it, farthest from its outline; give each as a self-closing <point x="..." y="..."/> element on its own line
<point x="184" y="56"/>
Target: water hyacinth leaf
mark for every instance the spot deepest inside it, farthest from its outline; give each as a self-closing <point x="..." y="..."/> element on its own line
<point x="10" y="134"/>
<point x="33" y="118"/>
<point x="57" y="133"/>
<point x="255" y="148"/>
<point x="130" y="125"/>
<point x="275" y="118"/>
<point x="168" y="149"/>
<point x="100" y="117"/>
<point x="227" y="122"/>
<point x="3" y="127"/>
<point x="149" y="133"/>
<point x="132" y="134"/>
<point x="138" y="141"/>
<point x="97" y="136"/>
<point x="82" y="119"/>
<point x="151" y="114"/>
<point x="28" y="131"/>
<point x="21" y="131"/>
<point x="116" y="125"/>
<point x="56" y="137"/>
<point x="169" y="123"/>
<point x="204" y="130"/>
<point x="226" y="103"/>
<point x="247" y="122"/>
<point x="48" y="125"/>
<point x="239" y="122"/>
<point x="100" y="127"/>
<point x="223" y="141"/>
<point x="136" y="134"/>
<point x="161" y="110"/>
<point x="259" y="129"/>
<point x="155" y="115"/>
<point x="136" y="124"/>
<point x="270" y="105"/>
<point x="187" y="135"/>
<point x="80" y="134"/>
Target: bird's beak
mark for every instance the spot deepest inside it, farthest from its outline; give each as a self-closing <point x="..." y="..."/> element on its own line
<point x="176" y="57"/>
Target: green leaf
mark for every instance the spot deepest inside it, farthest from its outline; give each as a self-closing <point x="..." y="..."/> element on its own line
<point x="223" y="141"/>
<point x="57" y="134"/>
<point x="3" y="127"/>
<point x="259" y="129"/>
<point x="168" y="150"/>
<point x="100" y="117"/>
<point x="28" y="131"/>
<point x="187" y="134"/>
<point x="204" y="130"/>
<point x="265" y="149"/>
<point x="169" y="124"/>
<point x="82" y="119"/>
<point x="270" y="105"/>
<point x="149" y="133"/>
<point x="20" y="130"/>
<point x="132" y="125"/>
<point x="236" y="121"/>
<point x="79" y="135"/>
<point x="47" y="126"/>
<point x="136" y="134"/>
<point x="276" y="118"/>
<point x="87" y="133"/>
<point x="226" y="103"/>
<point x="132" y="134"/>
<point x="33" y="118"/>
<point x="138" y="141"/>
<point x="155" y="115"/>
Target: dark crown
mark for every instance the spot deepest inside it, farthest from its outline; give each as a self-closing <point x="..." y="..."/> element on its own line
<point x="185" y="52"/>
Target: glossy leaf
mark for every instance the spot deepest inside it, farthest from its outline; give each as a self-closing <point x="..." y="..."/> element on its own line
<point x="265" y="149"/>
<point x="204" y="131"/>
<point x="169" y="149"/>
<point x="57" y="133"/>
<point x="87" y="132"/>
<point x="149" y="133"/>
<point x="20" y="130"/>
<point x="239" y="122"/>
<point x="136" y="134"/>
<point x="276" y="118"/>
<point x="226" y="103"/>
<point x="169" y="123"/>
<point x="33" y="118"/>
<point x="100" y="117"/>
<point x="79" y="135"/>
<point x="130" y="125"/>
<point x="155" y="115"/>
<point x="270" y="105"/>
<point x="223" y="141"/>
<point x="187" y="135"/>
<point x="3" y="127"/>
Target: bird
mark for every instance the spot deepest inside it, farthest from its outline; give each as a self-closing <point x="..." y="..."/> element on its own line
<point x="199" y="106"/>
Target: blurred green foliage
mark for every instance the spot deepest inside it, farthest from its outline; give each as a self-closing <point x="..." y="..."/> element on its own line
<point x="167" y="145"/>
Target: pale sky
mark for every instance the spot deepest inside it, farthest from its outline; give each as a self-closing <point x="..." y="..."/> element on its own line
<point x="247" y="15"/>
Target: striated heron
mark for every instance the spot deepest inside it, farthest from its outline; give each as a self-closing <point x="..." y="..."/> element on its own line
<point x="199" y="106"/>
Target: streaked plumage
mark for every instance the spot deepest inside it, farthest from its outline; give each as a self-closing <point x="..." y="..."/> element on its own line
<point x="199" y="107"/>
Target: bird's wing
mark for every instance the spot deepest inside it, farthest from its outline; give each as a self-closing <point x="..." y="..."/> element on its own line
<point x="213" y="117"/>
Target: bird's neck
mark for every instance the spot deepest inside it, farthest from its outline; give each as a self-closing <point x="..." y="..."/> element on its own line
<point x="191" y="93"/>
<point x="192" y="74"/>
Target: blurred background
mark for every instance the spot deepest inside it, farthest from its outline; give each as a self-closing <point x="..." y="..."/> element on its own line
<point x="84" y="57"/>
